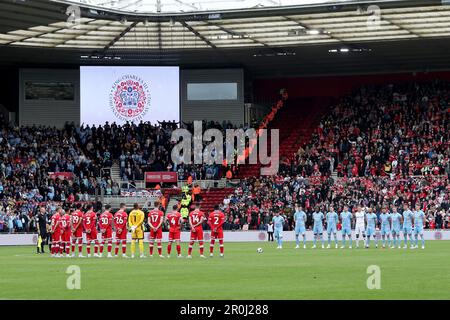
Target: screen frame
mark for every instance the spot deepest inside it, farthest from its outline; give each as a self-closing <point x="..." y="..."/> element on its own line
<point x="134" y="66"/>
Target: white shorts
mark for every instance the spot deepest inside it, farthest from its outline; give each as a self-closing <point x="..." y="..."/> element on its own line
<point x="360" y="229"/>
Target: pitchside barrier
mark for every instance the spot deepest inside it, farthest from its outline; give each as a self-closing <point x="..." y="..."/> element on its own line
<point x="229" y="236"/>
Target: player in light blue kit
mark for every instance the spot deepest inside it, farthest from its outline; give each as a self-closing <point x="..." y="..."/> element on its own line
<point x="346" y="220"/>
<point x="396" y="219"/>
<point x="278" y="222"/>
<point x="385" y="219"/>
<point x="419" y="221"/>
<point x="371" y="220"/>
<point x="408" y="217"/>
<point x="300" y="219"/>
<point x="332" y="219"/>
<point x="318" y="227"/>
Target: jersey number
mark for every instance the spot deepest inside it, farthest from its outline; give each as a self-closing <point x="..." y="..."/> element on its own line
<point x="154" y="218"/>
<point x="119" y="220"/>
<point x="195" y="219"/>
<point x="104" y="220"/>
<point x="216" y="220"/>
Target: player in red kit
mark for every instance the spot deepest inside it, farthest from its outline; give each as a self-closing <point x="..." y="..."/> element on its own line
<point x="56" y="233"/>
<point x="216" y="220"/>
<point x="155" y="221"/>
<point x="77" y="230"/>
<point x="65" y="233"/>
<point x="90" y="226"/>
<point x="120" y="226"/>
<point x="106" y="226"/>
<point x="174" y="219"/>
<point x="196" y="219"/>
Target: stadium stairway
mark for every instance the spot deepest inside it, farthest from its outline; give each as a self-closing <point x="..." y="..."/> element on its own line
<point x="296" y="122"/>
<point x="115" y="172"/>
<point x="172" y="196"/>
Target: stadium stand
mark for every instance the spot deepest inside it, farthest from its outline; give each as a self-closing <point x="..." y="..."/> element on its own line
<point x="387" y="145"/>
<point x="380" y="145"/>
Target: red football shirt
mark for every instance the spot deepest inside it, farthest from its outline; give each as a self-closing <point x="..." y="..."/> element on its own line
<point x="65" y="222"/>
<point x="174" y="219"/>
<point x="90" y="220"/>
<point x="155" y="217"/>
<point x="77" y="217"/>
<point x="56" y="225"/>
<point x="120" y="219"/>
<point x="216" y="220"/>
<point x="197" y="216"/>
<point x="106" y="220"/>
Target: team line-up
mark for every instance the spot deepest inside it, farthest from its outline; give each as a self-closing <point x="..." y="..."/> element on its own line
<point x="392" y="223"/>
<point x="67" y="230"/>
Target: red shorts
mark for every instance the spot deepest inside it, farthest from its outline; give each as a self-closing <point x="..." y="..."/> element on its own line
<point x="78" y="233"/>
<point x="65" y="236"/>
<point x="197" y="234"/>
<point x="56" y="236"/>
<point x="107" y="234"/>
<point x="174" y="234"/>
<point x="92" y="236"/>
<point x="217" y="235"/>
<point x="156" y="234"/>
<point x="122" y="235"/>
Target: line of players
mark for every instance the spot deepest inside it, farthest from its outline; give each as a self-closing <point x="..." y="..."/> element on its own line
<point x="67" y="230"/>
<point x="392" y="223"/>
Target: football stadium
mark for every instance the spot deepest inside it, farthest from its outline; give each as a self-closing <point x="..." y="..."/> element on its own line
<point x="225" y="150"/>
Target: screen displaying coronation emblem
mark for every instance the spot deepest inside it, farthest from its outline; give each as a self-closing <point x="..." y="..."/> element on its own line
<point x="129" y="94"/>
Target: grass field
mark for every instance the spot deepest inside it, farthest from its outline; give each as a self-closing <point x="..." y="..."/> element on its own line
<point x="243" y="274"/>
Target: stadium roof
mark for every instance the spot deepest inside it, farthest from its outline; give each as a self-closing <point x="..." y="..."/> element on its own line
<point x="188" y="6"/>
<point x="265" y="42"/>
<point x="44" y="23"/>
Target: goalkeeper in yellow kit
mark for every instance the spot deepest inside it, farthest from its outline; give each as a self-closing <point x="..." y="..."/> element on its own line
<point x="135" y="222"/>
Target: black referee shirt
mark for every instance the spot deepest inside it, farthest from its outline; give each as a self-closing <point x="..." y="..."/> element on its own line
<point x="41" y="220"/>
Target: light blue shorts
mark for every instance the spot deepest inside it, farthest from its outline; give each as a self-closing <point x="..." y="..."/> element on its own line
<point x="317" y="229"/>
<point x="278" y="234"/>
<point x="300" y="229"/>
<point x="346" y="230"/>
<point x="407" y="230"/>
<point x="370" y="231"/>
<point x="331" y="229"/>
<point x="418" y="230"/>
<point x="385" y="230"/>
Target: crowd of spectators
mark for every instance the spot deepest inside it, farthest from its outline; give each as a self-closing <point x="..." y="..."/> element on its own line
<point x="394" y="130"/>
<point x="31" y="159"/>
<point x="387" y="145"/>
<point x="256" y="199"/>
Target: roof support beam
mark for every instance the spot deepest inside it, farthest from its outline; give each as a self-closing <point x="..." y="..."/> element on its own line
<point x="129" y="4"/>
<point x="159" y="36"/>
<point x="399" y="25"/>
<point x="78" y="35"/>
<point x="118" y="37"/>
<point x="301" y="24"/>
<point x="187" y="4"/>
<point x="209" y="43"/>
<point x="233" y="33"/>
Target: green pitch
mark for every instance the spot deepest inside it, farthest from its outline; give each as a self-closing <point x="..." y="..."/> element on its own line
<point x="243" y="274"/>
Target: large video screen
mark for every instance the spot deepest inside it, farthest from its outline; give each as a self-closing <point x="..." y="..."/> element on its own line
<point x="133" y="94"/>
<point x="37" y="90"/>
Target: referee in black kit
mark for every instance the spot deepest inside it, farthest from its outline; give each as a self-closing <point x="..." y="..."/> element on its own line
<point x="41" y="225"/>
